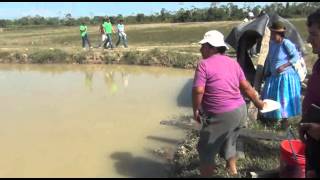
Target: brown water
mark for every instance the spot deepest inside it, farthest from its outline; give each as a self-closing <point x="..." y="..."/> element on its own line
<point x="87" y="120"/>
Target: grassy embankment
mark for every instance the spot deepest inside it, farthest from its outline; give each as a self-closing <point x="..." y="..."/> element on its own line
<point x="154" y="44"/>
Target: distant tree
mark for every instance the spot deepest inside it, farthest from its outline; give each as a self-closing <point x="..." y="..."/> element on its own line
<point x="182" y="15"/>
<point x="216" y="14"/>
<point x="3" y="23"/>
<point x="256" y="10"/>
<point x="119" y="17"/>
<point x="24" y="21"/>
<point x="69" y="20"/>
<point x="140" y="17"/>
<point x="96" y="20"/>
<point x="68" y="16"/>
<point x="113" y="19"/>
<point x="164" y="15"/>
<point x="52" y="21"/>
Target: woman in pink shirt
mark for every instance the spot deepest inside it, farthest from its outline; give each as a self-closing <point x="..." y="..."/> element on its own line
<point x="216" y="95"/>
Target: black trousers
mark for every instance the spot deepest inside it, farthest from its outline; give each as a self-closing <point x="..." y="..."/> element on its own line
<point x="312" y="153"/>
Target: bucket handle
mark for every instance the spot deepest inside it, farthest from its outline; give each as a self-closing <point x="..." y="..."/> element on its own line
<point x="291" y="133"/>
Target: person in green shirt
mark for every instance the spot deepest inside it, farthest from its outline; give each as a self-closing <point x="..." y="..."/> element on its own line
<point x="108" y="30"/>
<point x="103" y="35"/>
<point x="84" y="35"/>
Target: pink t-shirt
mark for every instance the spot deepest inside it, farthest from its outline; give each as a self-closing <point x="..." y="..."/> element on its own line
<point x="221" y="76"/>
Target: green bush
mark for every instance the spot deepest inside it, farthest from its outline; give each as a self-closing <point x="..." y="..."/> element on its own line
<point x="48" y="56"/>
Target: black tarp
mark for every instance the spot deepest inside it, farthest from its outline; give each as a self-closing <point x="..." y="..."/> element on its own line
<point x="259" y="24"/>
<point x="245" y="35"/>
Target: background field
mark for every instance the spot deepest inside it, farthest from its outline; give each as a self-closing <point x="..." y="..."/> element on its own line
<point x="180" y="37"/>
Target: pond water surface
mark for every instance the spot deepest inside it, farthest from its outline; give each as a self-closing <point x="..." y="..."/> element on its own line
<point x="88" y="120"/>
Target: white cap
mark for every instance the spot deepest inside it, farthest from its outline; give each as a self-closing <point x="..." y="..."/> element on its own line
<point x="215" y="38"/>
<point x="250" y="14"/>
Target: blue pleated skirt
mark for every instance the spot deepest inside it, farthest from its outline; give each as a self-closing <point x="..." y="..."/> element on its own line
<point x="286" y="89"/>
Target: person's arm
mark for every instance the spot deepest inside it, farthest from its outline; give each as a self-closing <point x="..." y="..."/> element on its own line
<point x="283" y="67"/>
<point x="101" y="29"/>
<point x="199" y="84"/>
<point x="248" y="90"/>
<point x="197" y="94"/>
<point x="293" y="55"/>
<point x="313" y="129"/>
<point x="267" y="71"/>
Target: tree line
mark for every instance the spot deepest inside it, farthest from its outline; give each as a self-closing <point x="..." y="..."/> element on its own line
<point x="212" y="13"/>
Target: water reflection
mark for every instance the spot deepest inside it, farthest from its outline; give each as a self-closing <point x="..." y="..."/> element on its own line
<point x="109" y="79"/>
<point x="125" y="79"/>
<point x="184" y="99"/>
<point x="111" y="83"/>
<point x="88" y="80"/>
<point x="56" y="69"/>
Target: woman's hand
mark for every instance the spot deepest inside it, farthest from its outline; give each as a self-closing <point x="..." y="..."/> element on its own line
<point x="248" y="90"/>
<point x="283" y="67"/>
<point x="280" y="69"/>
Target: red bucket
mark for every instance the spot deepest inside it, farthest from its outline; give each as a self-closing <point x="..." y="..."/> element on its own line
<point x="291" y="167"/>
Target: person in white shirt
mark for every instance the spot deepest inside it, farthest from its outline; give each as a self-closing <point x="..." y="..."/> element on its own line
<point x="122" y="36"/>
<point x="249" y="17"/>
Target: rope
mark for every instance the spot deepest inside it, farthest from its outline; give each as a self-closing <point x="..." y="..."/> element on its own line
<point x="289" y="132"/>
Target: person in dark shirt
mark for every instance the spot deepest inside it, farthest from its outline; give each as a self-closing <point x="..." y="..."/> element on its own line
<point x="309" y="129"/>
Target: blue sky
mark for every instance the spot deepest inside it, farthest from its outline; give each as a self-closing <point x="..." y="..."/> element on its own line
<point x="13" y="10"/>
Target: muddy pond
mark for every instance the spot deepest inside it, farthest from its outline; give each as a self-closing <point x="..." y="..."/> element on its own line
<point x="89" y="120"/>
